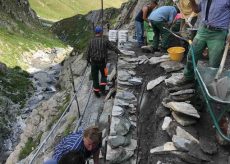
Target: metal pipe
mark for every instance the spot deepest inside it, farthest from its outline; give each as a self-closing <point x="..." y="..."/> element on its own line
<point x="63" y="114"/>
<point x="81" y="118"/>
<point x="102" y="14"/>
<point x="74" y="90"/>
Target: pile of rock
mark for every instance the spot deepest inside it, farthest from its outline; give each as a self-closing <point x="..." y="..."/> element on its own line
<point x="179" y="114"/>
<point x="122" y="141"/>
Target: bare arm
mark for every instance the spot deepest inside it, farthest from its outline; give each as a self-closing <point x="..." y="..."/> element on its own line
<point x="195" y="7"/>
<point x="96" y="157"/>
<point x="145" y="11"/>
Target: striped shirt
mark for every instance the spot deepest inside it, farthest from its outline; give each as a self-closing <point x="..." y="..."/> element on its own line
<point x="71" y="142"/>
<point x="98" y="49"/>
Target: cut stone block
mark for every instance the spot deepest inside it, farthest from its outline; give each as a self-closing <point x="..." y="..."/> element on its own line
<point x="156" y="60"/>
<point x="185" y="108"/>
<point x="170" y="66"/>
<point x="174" y="79"/>
<point x="166" y="123"/>
<point x="167" y="147"/>
<point x="182" y="133"/>
<point x="183" y="119"/>
<point x="119" y="126"/>
<point x="181" y="143"/>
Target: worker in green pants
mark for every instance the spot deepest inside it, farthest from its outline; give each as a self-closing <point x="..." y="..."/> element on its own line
<point x="215" y="16"/>
<point x="159" y="18"/>
<point x="214" y="40"/>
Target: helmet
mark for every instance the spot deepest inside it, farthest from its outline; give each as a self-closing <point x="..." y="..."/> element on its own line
<point x="98" y="29"/>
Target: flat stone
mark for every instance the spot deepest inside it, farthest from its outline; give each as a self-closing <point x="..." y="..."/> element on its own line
<point x="156" y="60"/>
<point x="182" y="119"/>
<point x="133" y="73"/>
<point x="127" y="53"/>
<point x="179" y="88"/>
<point x="182" y="92"/>
<point x="119" y="126"/>
<point x="174" y="79"/>
<point x="132" y="146"/>
<point x="123" y="75"/>
<point x="171" y="130"/>
<point x="185" y="108"/>
<point x="186" y="157"/>
<point x="120" y="102"/>
<point x="135" y="81"/>
<point x="162" y="111"/>
<point x="125" y="65"/>
<point x="124" y="83"/>
<point x="181" y="143"/>
<point x="130" y="60"/>
<point x="208" y="146"/>
<point x="114" y="155"/>
<point x="155" y="82"/>
<point x="167" y="147"/>
<point x="182" y="133"/>
<point x="147" y="49"/>
<point x="182" y="98"/>
<point x="117" y="111"/>
<point x="170" y="66"/>
<point x="196" y="152"/>
<point x="125" y="95"/>
<point x="166" y="123"/>
<point x="116" y="141"/>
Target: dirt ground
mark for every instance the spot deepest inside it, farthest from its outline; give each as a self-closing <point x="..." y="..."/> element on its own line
<point x="150" y="133"/>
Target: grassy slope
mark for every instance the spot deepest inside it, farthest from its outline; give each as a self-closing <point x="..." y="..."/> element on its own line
<point x="20" y="39"/>
<point x="58" y="9"/>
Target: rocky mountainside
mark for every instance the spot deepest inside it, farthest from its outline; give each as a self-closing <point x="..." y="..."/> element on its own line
<point x="19" y="10"/>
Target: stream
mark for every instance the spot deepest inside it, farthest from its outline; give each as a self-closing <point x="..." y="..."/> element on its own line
<point x="44" y="68"/>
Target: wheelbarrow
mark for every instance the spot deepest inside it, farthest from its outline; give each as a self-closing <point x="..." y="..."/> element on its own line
<point x="204" y="75"/>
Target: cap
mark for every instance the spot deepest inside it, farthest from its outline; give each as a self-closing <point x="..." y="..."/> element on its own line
<point x="98" y="29"/>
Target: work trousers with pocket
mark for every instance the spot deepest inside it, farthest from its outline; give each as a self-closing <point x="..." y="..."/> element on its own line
<point x="160" y="32"/>
<point x="215" y="41"/>
<point x="97" y="67"/>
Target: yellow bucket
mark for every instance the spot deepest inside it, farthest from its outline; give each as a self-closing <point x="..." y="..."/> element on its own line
<point x="176" y="53"/>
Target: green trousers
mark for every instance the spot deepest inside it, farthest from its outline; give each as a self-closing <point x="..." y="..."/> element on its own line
<point x="160" y="32"/>
<point x="97" y="67"/>
<point x="214" y="40"/>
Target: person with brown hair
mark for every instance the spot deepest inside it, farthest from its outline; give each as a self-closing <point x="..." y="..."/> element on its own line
<point x="140" y="18"/>
<point x="87" y="142"/>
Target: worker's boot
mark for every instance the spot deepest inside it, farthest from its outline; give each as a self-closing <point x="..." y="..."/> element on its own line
<point x="97" y="94"/>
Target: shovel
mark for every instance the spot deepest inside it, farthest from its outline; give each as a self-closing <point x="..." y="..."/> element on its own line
<point x="218" y="86"/>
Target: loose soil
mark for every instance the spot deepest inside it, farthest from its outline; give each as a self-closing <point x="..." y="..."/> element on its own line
<point x="150" y="133"/>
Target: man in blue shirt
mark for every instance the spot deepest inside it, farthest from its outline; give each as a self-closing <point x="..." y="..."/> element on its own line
<point x="215" y="17"/>
<point x="159" y="18"/>
<point x="87" y="143"/>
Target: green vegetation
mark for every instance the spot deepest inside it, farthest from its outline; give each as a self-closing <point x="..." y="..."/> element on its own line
<point x="61" y="109"/>
<point x="30" y="145"/>
<point x="77" y="31"/>
<point x="70" y="127"/>
<point x="16" y="85"/>
<point x="59" y="9"/>
<point x="16" y="41"/>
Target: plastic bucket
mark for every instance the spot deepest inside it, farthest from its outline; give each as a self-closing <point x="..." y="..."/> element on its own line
<point x="176" y="53"/>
